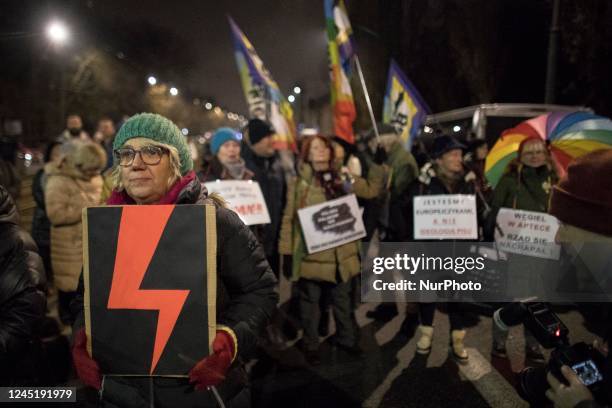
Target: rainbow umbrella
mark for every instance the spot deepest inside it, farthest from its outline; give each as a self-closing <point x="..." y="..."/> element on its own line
<point x="568" y="134"/>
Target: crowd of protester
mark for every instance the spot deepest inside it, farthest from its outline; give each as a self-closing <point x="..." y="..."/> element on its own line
<point x="82" y="171"/>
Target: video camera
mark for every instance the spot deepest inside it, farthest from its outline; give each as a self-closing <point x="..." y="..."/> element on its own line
<point x="550" y="331"/>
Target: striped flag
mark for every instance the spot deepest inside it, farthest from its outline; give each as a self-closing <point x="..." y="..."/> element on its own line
<point x="262" y="93"/>
<point x="341" y="51"/>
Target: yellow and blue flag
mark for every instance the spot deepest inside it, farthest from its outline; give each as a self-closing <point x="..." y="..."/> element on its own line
<point x="262" y="93"/>
<point x="404" y="107"/>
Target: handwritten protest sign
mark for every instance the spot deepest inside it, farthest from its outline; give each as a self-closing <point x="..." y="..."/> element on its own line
<point x="331" y="224"/>
<point x="244" y="197"/>
<point x="449" y="216"/>
<point x="527" y="233"/>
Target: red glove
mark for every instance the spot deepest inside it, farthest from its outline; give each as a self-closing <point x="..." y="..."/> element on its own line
<point x="211" y="370"/>
<point x="87" y="369"/>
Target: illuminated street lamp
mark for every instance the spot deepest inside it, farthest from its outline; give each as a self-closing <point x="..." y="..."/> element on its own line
<point x="152" y="80"/>
<point x="173" y="91"/>
<point x="57" y="32"/>
<point x="208" y="105"/>
<point x="291" y="98"/>
<point x="297" y="90"/>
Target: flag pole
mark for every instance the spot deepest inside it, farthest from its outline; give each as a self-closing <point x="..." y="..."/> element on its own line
<point x="367" y="98"/>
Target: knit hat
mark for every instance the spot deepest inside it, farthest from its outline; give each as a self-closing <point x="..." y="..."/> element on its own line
<point x="158" y="128"/>
<point x="221" y="136"/>
<point x="443" y="144"/>
<point x="583" y="198"/>
<point x="258" y="129"/>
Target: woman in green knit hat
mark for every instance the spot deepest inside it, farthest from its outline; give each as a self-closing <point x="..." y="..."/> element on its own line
<point x="153" y="166"/>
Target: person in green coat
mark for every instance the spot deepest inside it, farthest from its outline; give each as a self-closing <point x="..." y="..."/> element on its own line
<point x="526" y="185"/>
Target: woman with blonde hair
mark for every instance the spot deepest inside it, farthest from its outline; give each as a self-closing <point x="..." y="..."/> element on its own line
<point x="153" y="166"/>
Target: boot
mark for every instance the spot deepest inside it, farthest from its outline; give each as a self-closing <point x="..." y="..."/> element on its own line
<point x="457" y="346"/>
<point x="424" y="343"/>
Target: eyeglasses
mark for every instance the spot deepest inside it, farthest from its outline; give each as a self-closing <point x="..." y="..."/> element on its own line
<point x="150" y="155"/>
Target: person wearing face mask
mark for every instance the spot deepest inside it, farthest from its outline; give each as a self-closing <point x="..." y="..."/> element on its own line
<point x="74" y="130"/>
<point x="226" y="163"/>
<point x="526" y="185"/>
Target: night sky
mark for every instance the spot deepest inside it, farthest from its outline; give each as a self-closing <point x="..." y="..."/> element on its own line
<point x="456" y="52"/>
<point x="288" y="35"/>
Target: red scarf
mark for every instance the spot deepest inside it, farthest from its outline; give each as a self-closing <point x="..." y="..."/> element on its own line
<point x="122" y="198"/>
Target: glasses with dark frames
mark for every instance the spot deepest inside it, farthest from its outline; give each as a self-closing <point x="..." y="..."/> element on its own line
<point x="150" y="155"/>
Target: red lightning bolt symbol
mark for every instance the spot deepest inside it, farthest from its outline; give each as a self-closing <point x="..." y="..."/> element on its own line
<point x="140" y="230"/>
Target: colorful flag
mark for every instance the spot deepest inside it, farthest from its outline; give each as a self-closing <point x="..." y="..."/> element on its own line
<point x="404" y="107"/>
<point x="341" y="52"/>
<point x="262" y="93"/>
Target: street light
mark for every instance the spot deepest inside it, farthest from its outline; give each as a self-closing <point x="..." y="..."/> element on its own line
<point x="291" y="98"/>
<point x="456" y="128"/>
<point x="208" y="105"/>
<point x="152" y="80"/>
<point x="173" y="91"/>
<point x="297" y="90"/>
<point x="57" y="32"/>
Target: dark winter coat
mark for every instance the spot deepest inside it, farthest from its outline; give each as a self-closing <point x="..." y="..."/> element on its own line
<point x="22" y="290"/>
<point x="41" y="227"/>
<point x="270" y="175"/>
<point x="245" y="302"/>
<point x="524" y="188"/>
<point x="521" y="188"/>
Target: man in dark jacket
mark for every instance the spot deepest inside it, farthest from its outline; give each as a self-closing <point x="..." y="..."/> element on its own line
<point x="22" y="291"/>
<point x="261" y="158"/>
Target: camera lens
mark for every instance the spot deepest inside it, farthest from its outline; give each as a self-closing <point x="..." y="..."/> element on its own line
<point x="532" y="384"/>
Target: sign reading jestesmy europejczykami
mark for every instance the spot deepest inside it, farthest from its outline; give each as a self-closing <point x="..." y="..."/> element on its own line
<point x="447" y="216"/>
<point x="331" y="224"/>
<point x="244" y="197"/>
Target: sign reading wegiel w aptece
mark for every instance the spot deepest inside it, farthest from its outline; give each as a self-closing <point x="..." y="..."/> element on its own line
<point x="150" y="287"/>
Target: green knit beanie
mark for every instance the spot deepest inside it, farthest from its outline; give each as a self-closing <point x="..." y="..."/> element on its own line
<point x="158" y="128"/>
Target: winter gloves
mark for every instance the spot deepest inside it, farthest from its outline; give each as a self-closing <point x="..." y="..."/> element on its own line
<point x="208" y="372"/>
<point x="211" y="370"/>
<point x="87" y="369"/>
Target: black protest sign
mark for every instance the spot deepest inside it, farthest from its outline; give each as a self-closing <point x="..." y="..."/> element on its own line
<point x="331" y="224"/>
<point x="150" y="287"/>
